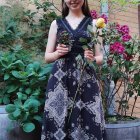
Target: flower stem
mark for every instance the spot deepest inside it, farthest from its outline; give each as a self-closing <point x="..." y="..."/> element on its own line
<point x="78" y="89"/>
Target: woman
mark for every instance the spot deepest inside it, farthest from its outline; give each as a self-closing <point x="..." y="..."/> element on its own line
<point x="64" y="118"/>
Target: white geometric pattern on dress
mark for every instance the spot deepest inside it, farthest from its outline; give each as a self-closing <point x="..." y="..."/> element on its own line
<point x="59" y="74"/>
<point x="59" y="135"/>
<point x="79" y="134"/>
<point x="43" y="137"/>
<point x="95" y="108"/>
<point x="76" y="74"/>
<point x="57" y="103"/>
<point x="85" y="76"/>
<point x="80" y="104"/>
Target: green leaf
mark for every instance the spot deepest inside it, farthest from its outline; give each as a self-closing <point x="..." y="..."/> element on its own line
<point x="25" y="116"/>
<point x="6" y="76"/>
<point x="83" y="40"/>
<point x="11" y="117"/>
<point x="28" y="127"/>
<point x="22" y="96"/>
<point x="38" y="118"/>
<point x="90" y="29"/>
<point x="32" y="104"/>
<point x="10" y="108"/>
<point x="17" y="113"/>
<point x="19" y="74"/>
<point x="12" y="88"/>
<point x="28" y="91"/>
<point x="20" y="64"/>
<point x="4" y="63"/>
<point x="42" y="78"/>
<point x="6" y="100"/>
<point x="36" y="66"/>
<point x="18" y="102"/>
<point x="19" y="94"/>
<point x="45" y="71"/>
<point x="85" y="47"/>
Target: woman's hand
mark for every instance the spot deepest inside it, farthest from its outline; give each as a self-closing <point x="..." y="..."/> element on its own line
<point x="89" y="55"/>
<point x="61" y="50"/>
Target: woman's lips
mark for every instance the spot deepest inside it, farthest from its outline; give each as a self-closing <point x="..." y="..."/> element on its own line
<point x="74" y="4"/>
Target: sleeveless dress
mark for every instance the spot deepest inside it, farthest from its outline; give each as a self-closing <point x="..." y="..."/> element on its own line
<point x="87" y="118"/>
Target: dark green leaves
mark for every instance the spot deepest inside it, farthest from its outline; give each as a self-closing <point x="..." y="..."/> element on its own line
<point x="28" y="127"/>
<point x="10" y="108"/>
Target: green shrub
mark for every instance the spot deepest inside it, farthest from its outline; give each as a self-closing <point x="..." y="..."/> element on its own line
<point x="24" y="90"/>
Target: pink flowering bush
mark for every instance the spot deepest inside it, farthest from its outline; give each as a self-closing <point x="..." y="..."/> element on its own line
<point x="121" y="65"/>
<point x="117" y="48"/>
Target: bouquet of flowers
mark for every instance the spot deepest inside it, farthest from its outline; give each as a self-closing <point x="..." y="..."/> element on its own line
<point x="65" y="38"/>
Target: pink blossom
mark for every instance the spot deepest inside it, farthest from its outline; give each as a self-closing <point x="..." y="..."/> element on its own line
<point x="127" y="56"/>
<point x="94" y="14"/>
<point x="104" y="17"/>
<point x="118" y="26"/>
<point x="124" y="29"/>
<point x="126" y="37"/>
<point x="117" y="47"/>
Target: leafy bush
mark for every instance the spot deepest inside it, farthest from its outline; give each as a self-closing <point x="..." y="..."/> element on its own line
<point x="24" y="90"/>
<point x="22" y="26"/>
<point x="23" y="75"/>
<point x="122" y="66"/>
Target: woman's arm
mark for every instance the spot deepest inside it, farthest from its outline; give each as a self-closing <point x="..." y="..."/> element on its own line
<point x="98" y="56"/>
<point x="52" y="54"/>
<point x="98" y="52"/>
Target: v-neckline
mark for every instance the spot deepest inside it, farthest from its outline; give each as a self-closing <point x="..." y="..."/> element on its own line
<point x="79" y="25"/>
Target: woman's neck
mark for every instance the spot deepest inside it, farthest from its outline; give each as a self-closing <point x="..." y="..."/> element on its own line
<point x="76" y="14"/>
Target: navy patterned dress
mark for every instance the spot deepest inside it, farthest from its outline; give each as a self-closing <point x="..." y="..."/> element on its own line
<point x="87" y="119"/>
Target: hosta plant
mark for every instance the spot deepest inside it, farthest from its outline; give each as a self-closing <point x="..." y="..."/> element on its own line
<point x="24" y="91"/>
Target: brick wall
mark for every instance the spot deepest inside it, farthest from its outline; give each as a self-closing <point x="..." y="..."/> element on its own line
<point x="127" y="17"/>
<point x="93" y="4"/>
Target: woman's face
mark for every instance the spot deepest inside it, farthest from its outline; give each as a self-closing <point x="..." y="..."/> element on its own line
<point x="74" y="4"/>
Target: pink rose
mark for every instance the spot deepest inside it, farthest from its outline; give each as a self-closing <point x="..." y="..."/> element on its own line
<point x="94" y="14"/>
<point x="118" y="26"/>
<point x="117" y="47"/>
<point x="126" y="37"/>
<point x="105" y="18"/>
<point x="124" y="29"/>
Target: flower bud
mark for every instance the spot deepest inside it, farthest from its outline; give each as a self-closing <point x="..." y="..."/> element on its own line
<point x="100" y="23"/>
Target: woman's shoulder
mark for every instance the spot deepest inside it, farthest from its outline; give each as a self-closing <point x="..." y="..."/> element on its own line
<point x="57" y="24"/>
<point x="54" y="24"/>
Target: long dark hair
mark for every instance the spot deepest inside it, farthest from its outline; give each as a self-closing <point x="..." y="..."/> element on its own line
<point x="85" y="9"/>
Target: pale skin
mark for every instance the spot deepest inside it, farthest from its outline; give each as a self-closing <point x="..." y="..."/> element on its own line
<point x="74" y="17"/>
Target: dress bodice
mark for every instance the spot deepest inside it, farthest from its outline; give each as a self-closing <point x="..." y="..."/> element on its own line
<point x="76" y="34"/>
